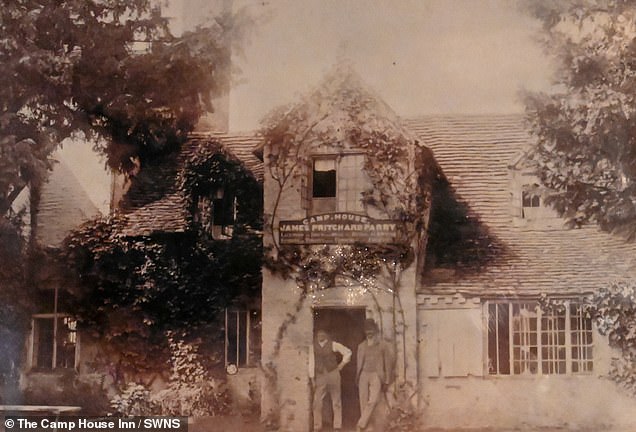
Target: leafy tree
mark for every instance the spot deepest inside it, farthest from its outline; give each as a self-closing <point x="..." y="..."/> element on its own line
<point x="104" y="67"/>
<point x="109" y="71"/>
<point x="586" y="147"/>
<point x="614" y="308"/>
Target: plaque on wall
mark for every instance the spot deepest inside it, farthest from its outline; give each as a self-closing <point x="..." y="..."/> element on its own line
<point x="337" y="228"/>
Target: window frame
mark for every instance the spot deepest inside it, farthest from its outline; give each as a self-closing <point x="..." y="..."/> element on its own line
<point x="580" y="339"/>
<point x="320" y="205"/>
<point x="252" y="347"/>
<point x="314" y="161"/>
<point x="531" y="201"/>
<point x="35" y="341"/>
<point x="212" y="209"/>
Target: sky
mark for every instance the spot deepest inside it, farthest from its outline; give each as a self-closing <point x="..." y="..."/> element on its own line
<point x="422" y="57"/>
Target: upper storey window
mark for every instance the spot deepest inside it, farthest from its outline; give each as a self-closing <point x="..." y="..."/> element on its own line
<point x="324" y="185"/>
<point x="337" y="183"/>
<point x="534" y="209"/>
<point x="216" y="215"/>
<point x="530" y="200"/>
<point x="324" y="176"/>
<point x="528" y="206"/>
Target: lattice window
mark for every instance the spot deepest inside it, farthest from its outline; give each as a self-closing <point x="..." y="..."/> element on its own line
<point x="523" y="339"/>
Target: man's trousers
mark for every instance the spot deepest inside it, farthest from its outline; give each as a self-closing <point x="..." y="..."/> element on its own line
<point x="370" y="390"/>
<point x="328" y="383"/>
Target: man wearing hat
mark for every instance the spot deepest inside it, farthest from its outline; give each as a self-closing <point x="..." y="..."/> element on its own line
<point x="324" y="370"/>
<point x="375" y="371"/>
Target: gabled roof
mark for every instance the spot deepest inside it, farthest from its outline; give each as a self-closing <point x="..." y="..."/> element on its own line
<point x="64" y="205"/>
<point x="475" y="153"/>
<point x="155" y="202"/>
<point x="342" y="110"/>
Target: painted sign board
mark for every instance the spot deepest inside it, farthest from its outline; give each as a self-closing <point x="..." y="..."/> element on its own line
<point x="337" y="228"/>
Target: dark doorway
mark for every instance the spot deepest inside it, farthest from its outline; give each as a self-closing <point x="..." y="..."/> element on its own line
<point x="345" y="325"/>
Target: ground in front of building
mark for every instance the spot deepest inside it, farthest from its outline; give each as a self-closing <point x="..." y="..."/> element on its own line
<point x="245" y="424"/>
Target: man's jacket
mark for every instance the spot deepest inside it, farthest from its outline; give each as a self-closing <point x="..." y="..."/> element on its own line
<point x="385" y="371"/>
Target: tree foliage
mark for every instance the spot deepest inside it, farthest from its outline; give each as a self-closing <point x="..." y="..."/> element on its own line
<point x="110" y="68"/>
<point x="191" y="390"/>
<point x="13" y="304"/>
<point x="586" y="127"/>
<point x="586" y="149"/>
<point x="107" y="70"/>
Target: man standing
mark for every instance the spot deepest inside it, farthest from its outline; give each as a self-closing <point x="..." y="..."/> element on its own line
<point x="374" y="373"/>
<point x="324" y="370"/>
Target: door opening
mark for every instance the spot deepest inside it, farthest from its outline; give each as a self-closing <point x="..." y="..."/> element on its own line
<point x="344" y="325"/>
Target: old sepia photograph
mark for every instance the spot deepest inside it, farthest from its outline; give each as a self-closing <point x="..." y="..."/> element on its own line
<point x="318" y="215"/>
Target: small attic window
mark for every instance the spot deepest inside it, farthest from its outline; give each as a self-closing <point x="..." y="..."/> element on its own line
<point x="530" y="200"/>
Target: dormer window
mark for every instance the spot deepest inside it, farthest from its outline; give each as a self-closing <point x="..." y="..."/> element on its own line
<point x="530" y="200"/>
<point x="530" y="197"/>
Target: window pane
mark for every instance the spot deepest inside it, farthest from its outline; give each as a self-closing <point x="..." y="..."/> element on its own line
<point x="525" y="337"/>
<point x="230" y="337"/>
<point x="561" y="338"/>
<point x="498" y="339"/>
<point x="324" y="178"/>
<point x="526" y="199"/>
<point x="66" y="342"/>
<point x="255" y="337"/>
<point x="43" y="343"/>
<point x="553" y="342"/>
<point x="493" y="367"/>
<point x="581" y="349"/>
<point x="223" y="210"/>
<point x="352" y="182"/>
<point x="530" y="197"/>
<point x="243" y="338"/>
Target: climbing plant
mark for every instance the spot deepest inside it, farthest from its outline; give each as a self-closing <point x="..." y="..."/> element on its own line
<point x="133" y="289"/>
<point x="343" y="116"/>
